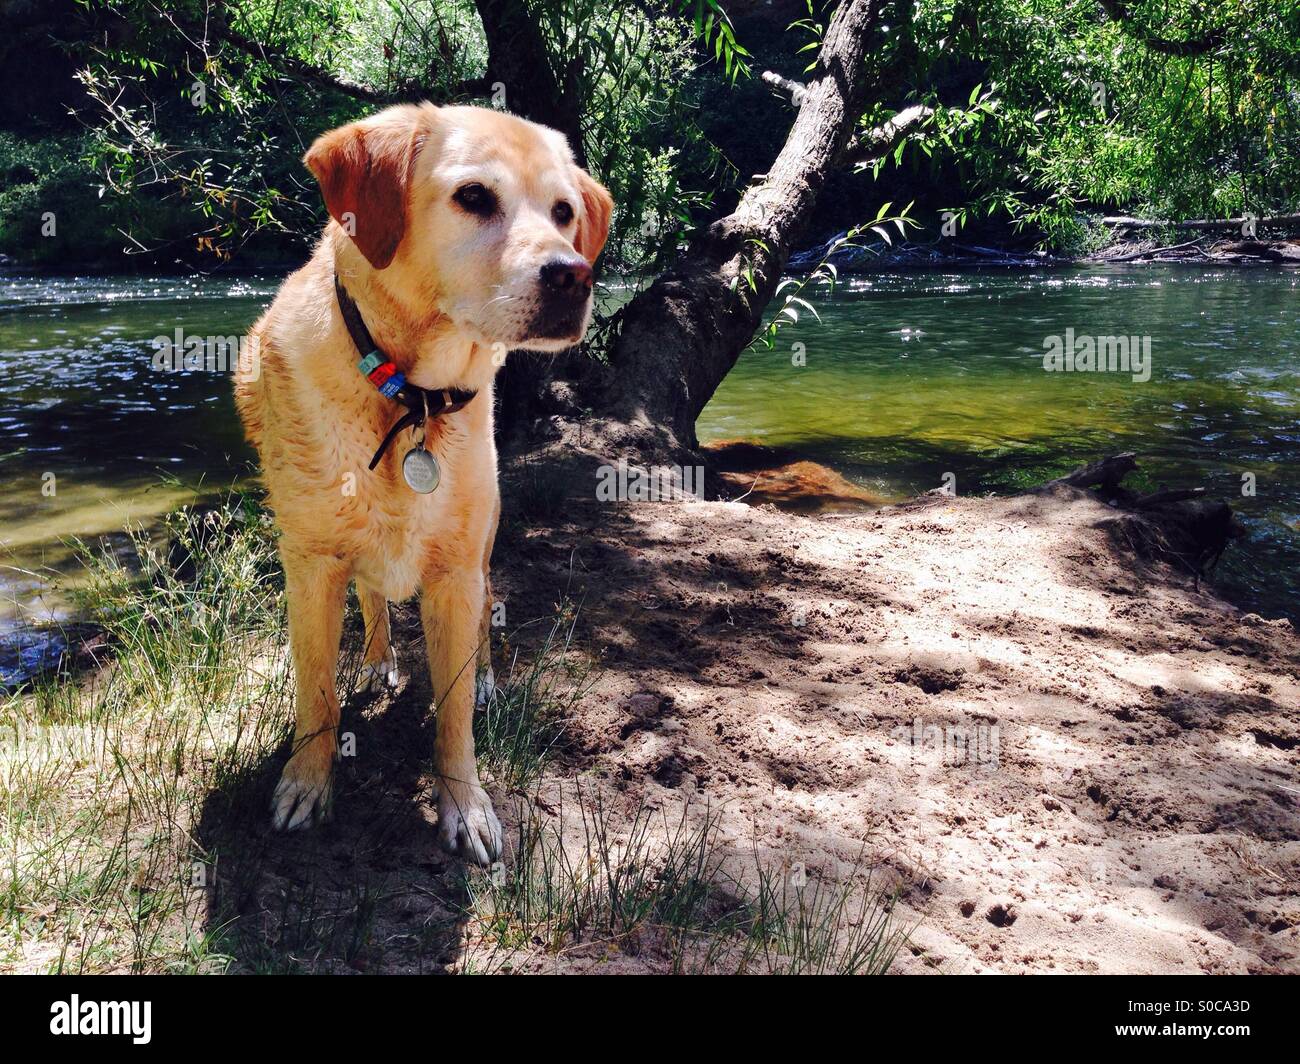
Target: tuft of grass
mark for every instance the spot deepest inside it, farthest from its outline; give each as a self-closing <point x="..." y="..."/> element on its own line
<point x="522" y="724"/>
<point x="807" y="926"/>
<point x="660" y="885"/>
<point x="540" y="491"/>
<point x="612" y="887"/>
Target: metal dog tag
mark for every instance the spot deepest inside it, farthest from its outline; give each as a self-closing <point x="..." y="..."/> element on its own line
<point x="420" y="470"/>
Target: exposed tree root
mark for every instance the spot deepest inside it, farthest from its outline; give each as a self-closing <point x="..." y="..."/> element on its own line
<point x="1178" y="525"/>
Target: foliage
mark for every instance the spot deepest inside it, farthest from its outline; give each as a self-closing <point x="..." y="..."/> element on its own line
<point x="790" y="290"/>
<point x="196" y="113"/>
<point x="1169" y="109"/>
<point x="714" y="28"/>
<point x="50" y="214"/>
<point x="633" y="73"/>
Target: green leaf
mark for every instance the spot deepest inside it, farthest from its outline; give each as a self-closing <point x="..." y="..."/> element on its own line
<point x="807" y="306"/>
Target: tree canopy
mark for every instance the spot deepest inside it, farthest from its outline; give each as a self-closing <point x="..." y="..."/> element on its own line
<point x="187" y="118"/>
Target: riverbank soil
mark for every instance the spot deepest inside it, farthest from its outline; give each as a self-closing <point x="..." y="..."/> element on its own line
<point x="1063" y="759"/>
<point x="1045" y="753"/>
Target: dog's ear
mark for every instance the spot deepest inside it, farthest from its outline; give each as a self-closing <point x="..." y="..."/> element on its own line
<point x="593" y="226"/>
<point x="364" y="171"/>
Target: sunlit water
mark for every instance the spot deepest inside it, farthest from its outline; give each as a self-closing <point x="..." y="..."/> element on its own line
<point x="92" y="438"/>
<point x="908" y="376"/>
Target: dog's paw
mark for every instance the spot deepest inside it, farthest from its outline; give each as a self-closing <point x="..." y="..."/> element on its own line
<point x="467" y="825"/>
<point x="379" y="676"/>
<point x="485" y="686"/>
<point x="304" y="795"/>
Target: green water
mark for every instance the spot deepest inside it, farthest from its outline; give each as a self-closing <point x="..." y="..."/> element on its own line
<point x="92" y="437"/>
<point x="909" y="376"/>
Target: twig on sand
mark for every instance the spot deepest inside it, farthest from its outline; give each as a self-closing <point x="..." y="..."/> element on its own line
<point x="751" y="489"/>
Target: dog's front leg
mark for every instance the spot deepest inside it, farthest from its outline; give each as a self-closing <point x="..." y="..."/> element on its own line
<point x="485" y="683"/>
<point x="316" y="588"/>
<point x="450" y="608"/>
<point x="379" y="664"/>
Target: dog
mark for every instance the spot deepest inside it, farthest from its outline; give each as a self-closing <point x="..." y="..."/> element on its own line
<point x="456" y="234"/>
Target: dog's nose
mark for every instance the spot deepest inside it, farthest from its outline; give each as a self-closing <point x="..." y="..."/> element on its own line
<point x="567" y="277"/>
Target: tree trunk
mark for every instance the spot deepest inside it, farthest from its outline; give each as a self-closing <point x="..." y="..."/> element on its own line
<point x="518" y="59"/>
<point x="681" y="336"/>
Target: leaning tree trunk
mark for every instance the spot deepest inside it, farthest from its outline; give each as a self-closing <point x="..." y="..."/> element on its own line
<point x="681" y="336"/>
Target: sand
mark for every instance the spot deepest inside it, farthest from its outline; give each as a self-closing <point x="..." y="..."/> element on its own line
<point x="1062" y="759"/>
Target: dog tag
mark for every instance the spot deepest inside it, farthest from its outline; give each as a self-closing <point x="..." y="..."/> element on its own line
<point x="420" y="470"/>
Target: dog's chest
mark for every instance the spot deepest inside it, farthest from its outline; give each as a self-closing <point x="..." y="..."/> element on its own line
<point x="393" y="537"/>
<point x="398" y="545"/>
<point x="402" y="536"/>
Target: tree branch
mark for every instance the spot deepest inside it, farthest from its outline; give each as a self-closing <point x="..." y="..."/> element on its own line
<point x="1119" y="11"/>
<point x="877" y="142"/>
<point x="868" y="145"/>
<point x="793" y="89"/>
<point x="302" y="71"/>
<point x="1105" y="473"/>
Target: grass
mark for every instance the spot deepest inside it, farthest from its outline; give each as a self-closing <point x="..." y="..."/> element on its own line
<point x="662" y="886"/>
<point x="522" y="724"/>
<point x="613" y="885"/>
<point x="133" y="813"/>
<point x="807" y="926"/>
<point x="101" y="782"/>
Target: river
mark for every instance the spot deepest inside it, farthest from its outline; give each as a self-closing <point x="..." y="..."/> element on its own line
<point x="908" y="376"/>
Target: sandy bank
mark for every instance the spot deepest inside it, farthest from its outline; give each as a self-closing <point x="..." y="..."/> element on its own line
<point x="1064" y="760"/>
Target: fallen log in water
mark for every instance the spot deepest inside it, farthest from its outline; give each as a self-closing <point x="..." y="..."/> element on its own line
<point x="853" y="257"/>
<point x="1289" y="221"/>
<point x="1224" y="252"/>
<point x="1178" y="525"/>
<point x="1105" y="473"/>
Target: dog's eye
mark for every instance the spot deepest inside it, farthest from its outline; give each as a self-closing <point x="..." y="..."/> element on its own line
<point x="562" y="213"/>
<point x="476" y="199"/>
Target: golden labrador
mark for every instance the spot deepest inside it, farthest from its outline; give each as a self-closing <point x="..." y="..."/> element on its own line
<point x="456" y="234"/>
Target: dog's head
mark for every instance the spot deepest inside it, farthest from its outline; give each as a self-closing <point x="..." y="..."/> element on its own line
<point x="481" y="215"/>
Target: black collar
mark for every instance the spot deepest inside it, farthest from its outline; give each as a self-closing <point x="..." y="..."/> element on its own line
<point x="420" y="403"/>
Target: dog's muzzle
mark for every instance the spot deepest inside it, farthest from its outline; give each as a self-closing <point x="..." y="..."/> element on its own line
<point x="565" y="290"/>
